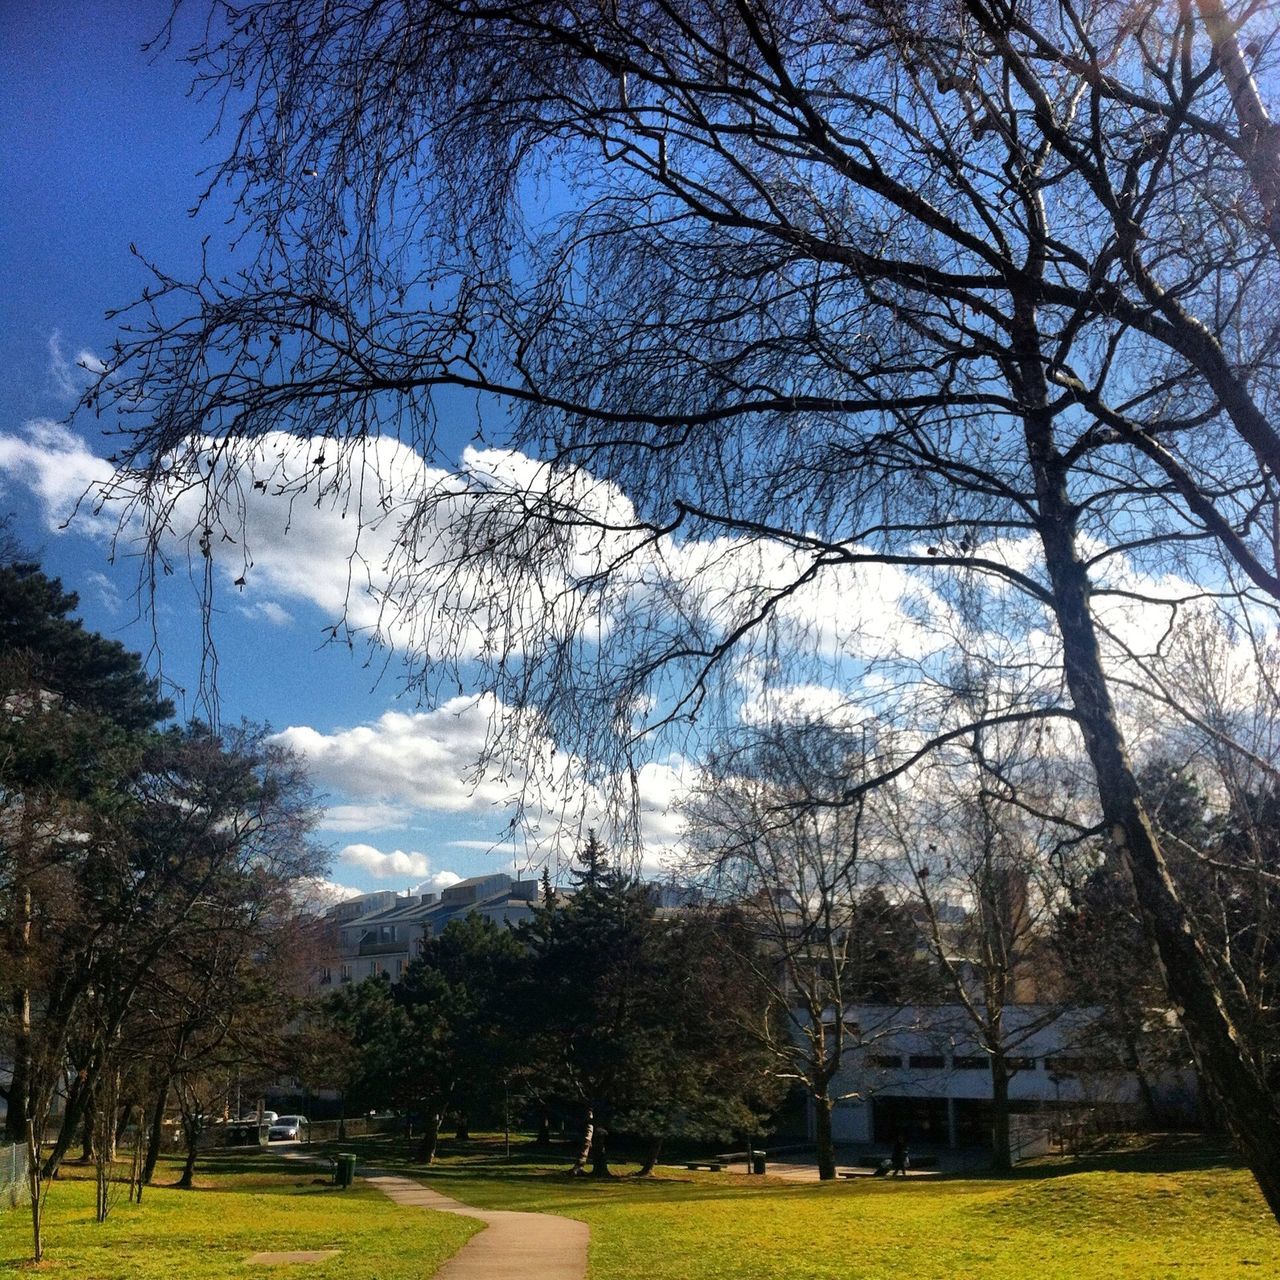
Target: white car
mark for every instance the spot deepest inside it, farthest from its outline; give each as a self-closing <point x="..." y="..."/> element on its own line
<point x="288" y="1129"/>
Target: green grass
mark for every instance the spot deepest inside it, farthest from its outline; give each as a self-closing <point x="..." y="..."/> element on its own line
<point x="1133" y="1218"/>
<point x="240" y="1206"/>
<point x="1142" y="1216"/>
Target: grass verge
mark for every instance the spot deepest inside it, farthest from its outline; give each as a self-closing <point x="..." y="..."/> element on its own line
<point x="240" y="1205"/>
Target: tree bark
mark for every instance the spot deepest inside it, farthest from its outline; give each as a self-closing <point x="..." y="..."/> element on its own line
<point x="430" y="1136"/>
<point x="1145" y="1092"/>
<point x="72" y="1119"/>
<point x="1001" y="1157"/>
<point x="822" y="1135"/>
<point x="652" y="1149"/>
<point x="155" y="1134"/>
<point x="584" y="1149"/>
<point x="544" y="1132"/>
<point x="1262" y="149"/>
<point x="600" y="1153"/>
<point x="20" y="1078"/>
<point x="191" y="1129"/>
<point x="35" y="1185"/>
<point x="1223" y="1057"/>
<point x="462" y="1132"/>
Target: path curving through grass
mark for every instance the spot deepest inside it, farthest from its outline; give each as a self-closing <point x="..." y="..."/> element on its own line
<point x="513" y="1245"/>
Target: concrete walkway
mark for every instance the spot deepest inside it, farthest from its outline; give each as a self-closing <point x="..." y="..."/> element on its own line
<point x="513" y="1246"/>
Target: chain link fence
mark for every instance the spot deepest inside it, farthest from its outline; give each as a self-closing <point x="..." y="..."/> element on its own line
<point x="14" y="1187"/>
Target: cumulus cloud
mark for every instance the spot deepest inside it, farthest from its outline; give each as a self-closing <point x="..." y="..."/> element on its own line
<point x="420" y="761"/>
<point x="438" y="562"/>
<point x="371" y="540"/>
<point x="397" y="864"/>
<point x="437" y="883"/>
<point x="53" y="462"/>
<point x="315" y="894"/>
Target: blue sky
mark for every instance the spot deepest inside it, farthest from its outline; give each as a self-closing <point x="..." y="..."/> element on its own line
<point x="102" y="148"/>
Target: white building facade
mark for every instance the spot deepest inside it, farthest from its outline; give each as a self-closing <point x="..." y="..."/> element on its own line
<point x="921" y="1072"/>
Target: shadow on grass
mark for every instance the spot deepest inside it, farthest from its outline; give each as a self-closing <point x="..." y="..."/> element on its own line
<point x="536" y="1174"/>
<point x="259" y="1172"/>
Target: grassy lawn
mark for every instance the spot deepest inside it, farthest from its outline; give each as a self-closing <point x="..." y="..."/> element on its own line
<point x="1133" y="1217"/>
<point x="241" y="1205"/>
<point x="1137" y="1217"/>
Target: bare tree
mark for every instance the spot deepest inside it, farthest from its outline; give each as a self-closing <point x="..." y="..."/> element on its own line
<point x="982" y="874"/>
<point x="792" y="292"/>
<point x="770" y="840"/>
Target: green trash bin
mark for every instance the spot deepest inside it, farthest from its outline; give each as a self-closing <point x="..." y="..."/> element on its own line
<point x="344" y="1172"/>
<point x="757" y="1161"/>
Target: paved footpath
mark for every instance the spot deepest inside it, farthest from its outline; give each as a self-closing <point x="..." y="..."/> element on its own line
<point x="513" y="1246"/>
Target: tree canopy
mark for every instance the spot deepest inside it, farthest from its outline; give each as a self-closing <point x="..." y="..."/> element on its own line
<point x="969" y="301"/>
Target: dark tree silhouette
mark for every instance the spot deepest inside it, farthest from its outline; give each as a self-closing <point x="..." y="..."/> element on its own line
<point x="978" y="289"/>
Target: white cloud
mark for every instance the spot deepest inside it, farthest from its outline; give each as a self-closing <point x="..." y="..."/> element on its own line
<point x="486" y="846"/>
<point x="419" y="761"/>
<point x="315" y="894"/>
<point x="70" y="375"/>
<point x="438" y="882"/>
<point x="267" y="611"/>
<point x="384" y="866"/>
<point x="53" y="463"/>
<point x="374" y="536"/>
<point x="365" y="817"/>
<point x="363" y="543"/>
<point x="398" y="864"/>
<point x="108" y="592"/>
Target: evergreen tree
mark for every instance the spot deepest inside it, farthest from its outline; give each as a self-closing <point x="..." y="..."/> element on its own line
<point x="629" y="1017"/>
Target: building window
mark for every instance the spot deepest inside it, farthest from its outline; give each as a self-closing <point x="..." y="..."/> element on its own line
<point x="970" y="1062"/>
<point x="403" y="967"/>
<point x="1021" y="1064"/>
<point x="1079" y="1066"/>
<point x="346" y="973"/>
<point x="885" y="1061"/>
<point x="325" y="976"/>
<point x="926" y="1062"/>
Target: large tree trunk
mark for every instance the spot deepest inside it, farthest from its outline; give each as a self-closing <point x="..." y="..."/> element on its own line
<point x="822" y="1135"/>
<point x="155" y="1133"/>
<point x="584" y="1148"/>
<point x="462" y="1133"/>
<point x="1224" y="1059"/>
<point x="652" y="1148"/>
<point x="75" y="1115"/>
<point x="544" y="1132"/>
<point x="1257" y="133"/>
<point x="1134" y="1062"/>
<point x="1001" y="1158"/>
<point x="600" y="1153"/>
<point x="430" y="1136"/>
<point x="187" y="1181"/>
<point x="192" y="1127"/>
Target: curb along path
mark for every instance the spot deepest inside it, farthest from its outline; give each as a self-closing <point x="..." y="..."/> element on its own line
<point x="514" y="1246"/>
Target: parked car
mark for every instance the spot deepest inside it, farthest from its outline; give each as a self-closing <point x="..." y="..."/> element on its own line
<point x="288" y="1129"/>
<point x="268" y="1117"/>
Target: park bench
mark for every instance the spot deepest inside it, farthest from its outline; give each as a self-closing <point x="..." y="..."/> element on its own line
<point x="913" y="1162"/>
<point x="711" y="1166"/>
